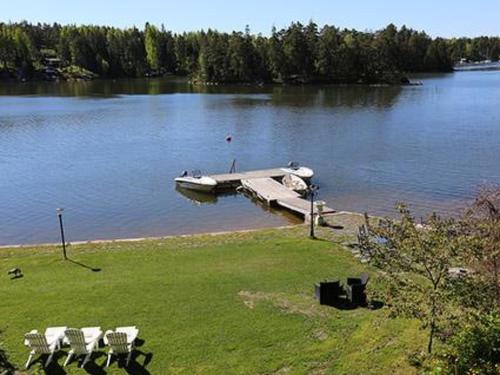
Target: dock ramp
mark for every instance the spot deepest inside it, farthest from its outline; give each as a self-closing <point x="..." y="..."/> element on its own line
<point x="274" y="193"/>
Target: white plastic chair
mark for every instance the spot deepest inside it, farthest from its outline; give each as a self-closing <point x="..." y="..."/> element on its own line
<point x="39" y="345"/>
<point x="121" y="341"/>
<point x="44" y="344"/>
<point x="83" y="342"/>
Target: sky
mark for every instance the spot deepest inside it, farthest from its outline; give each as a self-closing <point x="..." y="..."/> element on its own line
<point x="446" y="18"/>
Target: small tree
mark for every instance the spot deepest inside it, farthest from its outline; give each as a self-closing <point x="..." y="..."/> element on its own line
<point x="473" y="347"/>
<point x="415" y="260"/>
<point x="481" y="226"/>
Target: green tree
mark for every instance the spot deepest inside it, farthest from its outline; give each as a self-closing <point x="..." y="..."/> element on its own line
<point x="327" y="53"/>
<point x="242" y="57"/>
<point x="277" y="64"/>
<point x="115" y="48"/>
<point x="389" y="50"/>
<point x="7" y="50"/>
<point x="415" y="262"/>
<point x="295" y="51"/>
<point x="299" y="52"/>
<point x="152" y="41"/>
<point x="24" y="50"/>
<point x="417" y="46"/>
<point x="134" y="54"/>
<point x="311" y="35"/>
<point x="481" y="226"/>
<point x="167" y="51"/>
<point x="350" y="65"/>
<point x="186" y="52"/>
<point x="262" y="63"/>
<point x="437" y="57"/>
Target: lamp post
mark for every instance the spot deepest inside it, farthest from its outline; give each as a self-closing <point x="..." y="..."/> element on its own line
<point x="59" y="215"/>
<point x="312" y="192"/>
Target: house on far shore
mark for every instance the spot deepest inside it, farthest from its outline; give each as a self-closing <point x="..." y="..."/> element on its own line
<point x="51" y="66"/>
<point x="52" y="62"/>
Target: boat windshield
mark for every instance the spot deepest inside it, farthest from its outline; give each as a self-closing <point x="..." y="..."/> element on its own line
<point x="293" y="165"/>
<point x="197" y="173"/>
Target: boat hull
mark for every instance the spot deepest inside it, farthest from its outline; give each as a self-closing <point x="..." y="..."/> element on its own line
<point x="198" y="184"/>
<point x="294" y="183"/>
<point x="302" y="172"/>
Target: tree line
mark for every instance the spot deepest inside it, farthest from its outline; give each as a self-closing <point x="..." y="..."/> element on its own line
<point x="298" y="53"/>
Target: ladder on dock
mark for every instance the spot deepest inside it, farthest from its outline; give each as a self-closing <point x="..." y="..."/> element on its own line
<point x="274" y="193"/>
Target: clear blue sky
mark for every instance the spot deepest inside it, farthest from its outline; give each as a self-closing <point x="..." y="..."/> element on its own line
<point x="438" y="17"/>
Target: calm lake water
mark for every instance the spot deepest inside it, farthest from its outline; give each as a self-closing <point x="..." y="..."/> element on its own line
<point x="108" y="151"/>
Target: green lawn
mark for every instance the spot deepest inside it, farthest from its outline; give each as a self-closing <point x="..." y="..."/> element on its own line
<point x="229" y="304"/>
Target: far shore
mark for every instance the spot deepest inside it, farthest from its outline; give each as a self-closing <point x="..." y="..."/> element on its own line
<point x="398" y="80"/>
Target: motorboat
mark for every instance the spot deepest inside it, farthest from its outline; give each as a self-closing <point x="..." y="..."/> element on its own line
<point x="294" y="183"/>
<point x="196" y="181"/>
<point x="295" y="169"/>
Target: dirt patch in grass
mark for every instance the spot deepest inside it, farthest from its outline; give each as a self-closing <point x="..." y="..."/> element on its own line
<point x="296" y="304"/>
<point x="320" y="335"/>
<point x="283" y="370"/>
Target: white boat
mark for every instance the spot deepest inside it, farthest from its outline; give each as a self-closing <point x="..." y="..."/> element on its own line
<point x="196" y="181"/>
<point x="302" y="172"/>
<point x="294" y="183"/>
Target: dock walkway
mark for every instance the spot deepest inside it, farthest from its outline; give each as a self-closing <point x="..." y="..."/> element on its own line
<point x="234" y="179"/>
<point x="268" y="189"/>
<point x="274" y="193"/>
<point x="303" y="207"/>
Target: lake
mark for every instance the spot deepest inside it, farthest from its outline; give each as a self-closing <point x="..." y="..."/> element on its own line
<point x="108" y="151"/>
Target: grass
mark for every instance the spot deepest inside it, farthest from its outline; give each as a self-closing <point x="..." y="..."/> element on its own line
<point x="229" y="304"/>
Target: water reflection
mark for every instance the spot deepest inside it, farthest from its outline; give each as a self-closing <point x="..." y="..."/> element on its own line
<point x="197" y="197"/>
<point x="249" y="95"/>
<point x="97" y="88"/>
<point x="336" y="96"/>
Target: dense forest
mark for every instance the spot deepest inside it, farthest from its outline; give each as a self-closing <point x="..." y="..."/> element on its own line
<point x="299" y="53"/>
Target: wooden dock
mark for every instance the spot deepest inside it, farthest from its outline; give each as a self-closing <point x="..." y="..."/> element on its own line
<point x="265" y="185"/>
<point x="302" y="207"/>
<point x="274" y="193"/>
<point x="268" y="190"/>
<point x="227" y="180"/>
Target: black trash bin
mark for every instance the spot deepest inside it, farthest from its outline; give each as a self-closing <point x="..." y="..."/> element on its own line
<point x="328" y="292"/>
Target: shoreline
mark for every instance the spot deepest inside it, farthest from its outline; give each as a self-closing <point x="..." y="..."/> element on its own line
<point x="166" y="237"/>
<point x="139" y="239"/>
<point x="404" y="80"/>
